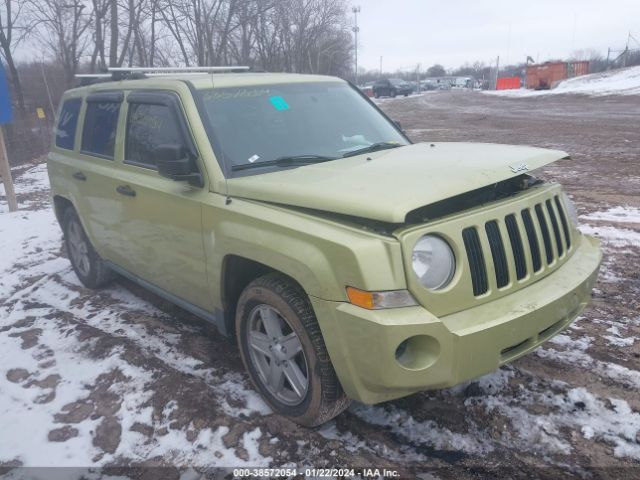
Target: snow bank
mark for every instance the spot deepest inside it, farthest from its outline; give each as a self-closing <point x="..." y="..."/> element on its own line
<point x="616" y="214"/>
<point x="612" y="236"/>
<point x="625" y="81"/>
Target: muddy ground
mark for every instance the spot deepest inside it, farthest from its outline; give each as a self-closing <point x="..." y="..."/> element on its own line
<point x="166" y="390"/>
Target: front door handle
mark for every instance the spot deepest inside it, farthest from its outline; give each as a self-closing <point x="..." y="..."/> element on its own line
<point x="126" y="190"/>
<point x="79" y="176"/>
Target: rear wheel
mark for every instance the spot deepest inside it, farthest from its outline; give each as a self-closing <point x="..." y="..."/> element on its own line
<point x="284" y="353"/>
<point x="89" y="267"/>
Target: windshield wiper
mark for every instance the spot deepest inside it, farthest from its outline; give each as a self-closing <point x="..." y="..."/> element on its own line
<point x="374" y="147"/>
<point x="287" y="161"/>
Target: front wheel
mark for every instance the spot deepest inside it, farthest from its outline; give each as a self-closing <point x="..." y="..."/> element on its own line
<point x="284" y="353"/>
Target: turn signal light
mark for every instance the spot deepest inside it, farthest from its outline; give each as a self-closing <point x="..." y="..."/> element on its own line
<point x="379" y="300"/>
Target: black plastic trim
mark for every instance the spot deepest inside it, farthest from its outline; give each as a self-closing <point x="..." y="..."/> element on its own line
<point x="106" y="97"/>
<point x="516" y="246"/>
<point x="498" y="253"/>
<point x="475" y="258"/>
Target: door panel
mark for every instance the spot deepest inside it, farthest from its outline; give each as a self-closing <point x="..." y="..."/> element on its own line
<point x="161" y="231"/>
<point x="159" y="220"/>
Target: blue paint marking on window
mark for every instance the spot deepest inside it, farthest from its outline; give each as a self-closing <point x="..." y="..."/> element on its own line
<point x="279" y="103"/>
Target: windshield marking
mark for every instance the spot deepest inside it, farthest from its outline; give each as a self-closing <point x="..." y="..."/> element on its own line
<point x="279" y="103"/>
<point x="223" y="94"/>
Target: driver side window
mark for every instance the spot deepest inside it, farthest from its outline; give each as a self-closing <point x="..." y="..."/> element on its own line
<point x="149" y="125"/>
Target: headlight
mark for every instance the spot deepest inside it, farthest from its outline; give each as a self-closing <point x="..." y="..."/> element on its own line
<point x="433" y="262"/>
<point x="570" y="207"/>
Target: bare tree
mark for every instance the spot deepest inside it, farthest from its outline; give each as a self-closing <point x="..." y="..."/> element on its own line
<point x="305" y="36"/>
<point x="13" y="29"/>
<point x="100" y="10"/>
<point x="62" y="29"/>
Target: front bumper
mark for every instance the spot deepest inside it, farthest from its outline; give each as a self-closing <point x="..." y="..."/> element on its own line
<point x="465" y="345"/>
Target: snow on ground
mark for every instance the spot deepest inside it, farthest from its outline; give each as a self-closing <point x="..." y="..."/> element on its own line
<point x="82" y="381"/>
<point x="47" y="367"/>
<point x="613" y="236"/>
<point x="32" y="181"/>
<point x="610" y="420"/>
<point x="617" y="214"/>
<point x="624" y="81"/>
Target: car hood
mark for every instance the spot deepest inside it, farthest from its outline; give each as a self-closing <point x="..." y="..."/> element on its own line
<point x="387" y="185"/>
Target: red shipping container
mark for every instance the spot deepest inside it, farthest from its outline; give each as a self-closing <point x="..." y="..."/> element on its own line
<point x="508" y="83"/>
<point x="547" y="75"/>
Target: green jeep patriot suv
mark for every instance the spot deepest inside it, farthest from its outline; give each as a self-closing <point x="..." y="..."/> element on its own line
<point x="347" y="261"/>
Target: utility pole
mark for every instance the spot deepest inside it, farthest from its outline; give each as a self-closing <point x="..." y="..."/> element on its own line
<point x="380" y="66"/>
<point x="495" y="86"/>
<point x="418" y="77"/>
<point x="356" y="29"/>
<point x="46" y="85"/>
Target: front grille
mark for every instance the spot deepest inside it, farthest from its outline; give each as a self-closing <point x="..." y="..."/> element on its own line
<point x="527" y="235"/>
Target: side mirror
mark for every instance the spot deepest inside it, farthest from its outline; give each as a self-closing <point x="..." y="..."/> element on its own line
<point x="173" y="162"/>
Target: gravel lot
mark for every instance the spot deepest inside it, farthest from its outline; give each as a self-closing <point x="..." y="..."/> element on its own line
<point x="120" y="377"/>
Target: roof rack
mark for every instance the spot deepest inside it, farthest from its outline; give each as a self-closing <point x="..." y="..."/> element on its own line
<point x="171" y="70"/>
<point x="132" y="73"/>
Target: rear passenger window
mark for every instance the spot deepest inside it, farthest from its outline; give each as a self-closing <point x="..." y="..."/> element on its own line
<point x="99" y="130"/>
<point x="67" y="123"/>
<point x="148" y="126"/>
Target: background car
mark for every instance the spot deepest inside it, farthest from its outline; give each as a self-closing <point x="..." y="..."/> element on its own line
<point x="390" y="87"/>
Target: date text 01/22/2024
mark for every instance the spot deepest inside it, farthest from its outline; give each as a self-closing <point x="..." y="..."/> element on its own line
<point x="316" y="472"/>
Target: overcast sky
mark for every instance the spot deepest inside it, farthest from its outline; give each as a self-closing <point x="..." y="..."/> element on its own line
<point x="408" y="32"/>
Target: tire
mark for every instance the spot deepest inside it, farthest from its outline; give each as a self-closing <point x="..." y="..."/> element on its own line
<point x="392" y="94"/>
<point x="376" y="94"/>
<point x="90" y="269"/>
<point x="276" y="300"/>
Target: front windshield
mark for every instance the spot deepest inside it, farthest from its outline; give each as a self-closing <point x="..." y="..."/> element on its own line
<point x="263" y="123"/>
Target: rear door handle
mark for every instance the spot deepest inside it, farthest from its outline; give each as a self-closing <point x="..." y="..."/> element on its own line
<point x="126" y="190"/>
<point x="79" y="176"/>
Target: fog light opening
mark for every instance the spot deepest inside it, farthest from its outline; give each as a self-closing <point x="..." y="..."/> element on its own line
<point x="418" y="352"/>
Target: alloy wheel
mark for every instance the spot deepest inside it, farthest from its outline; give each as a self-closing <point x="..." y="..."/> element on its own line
<point x="78" y="248"/>
<point x="276" y="354"/>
